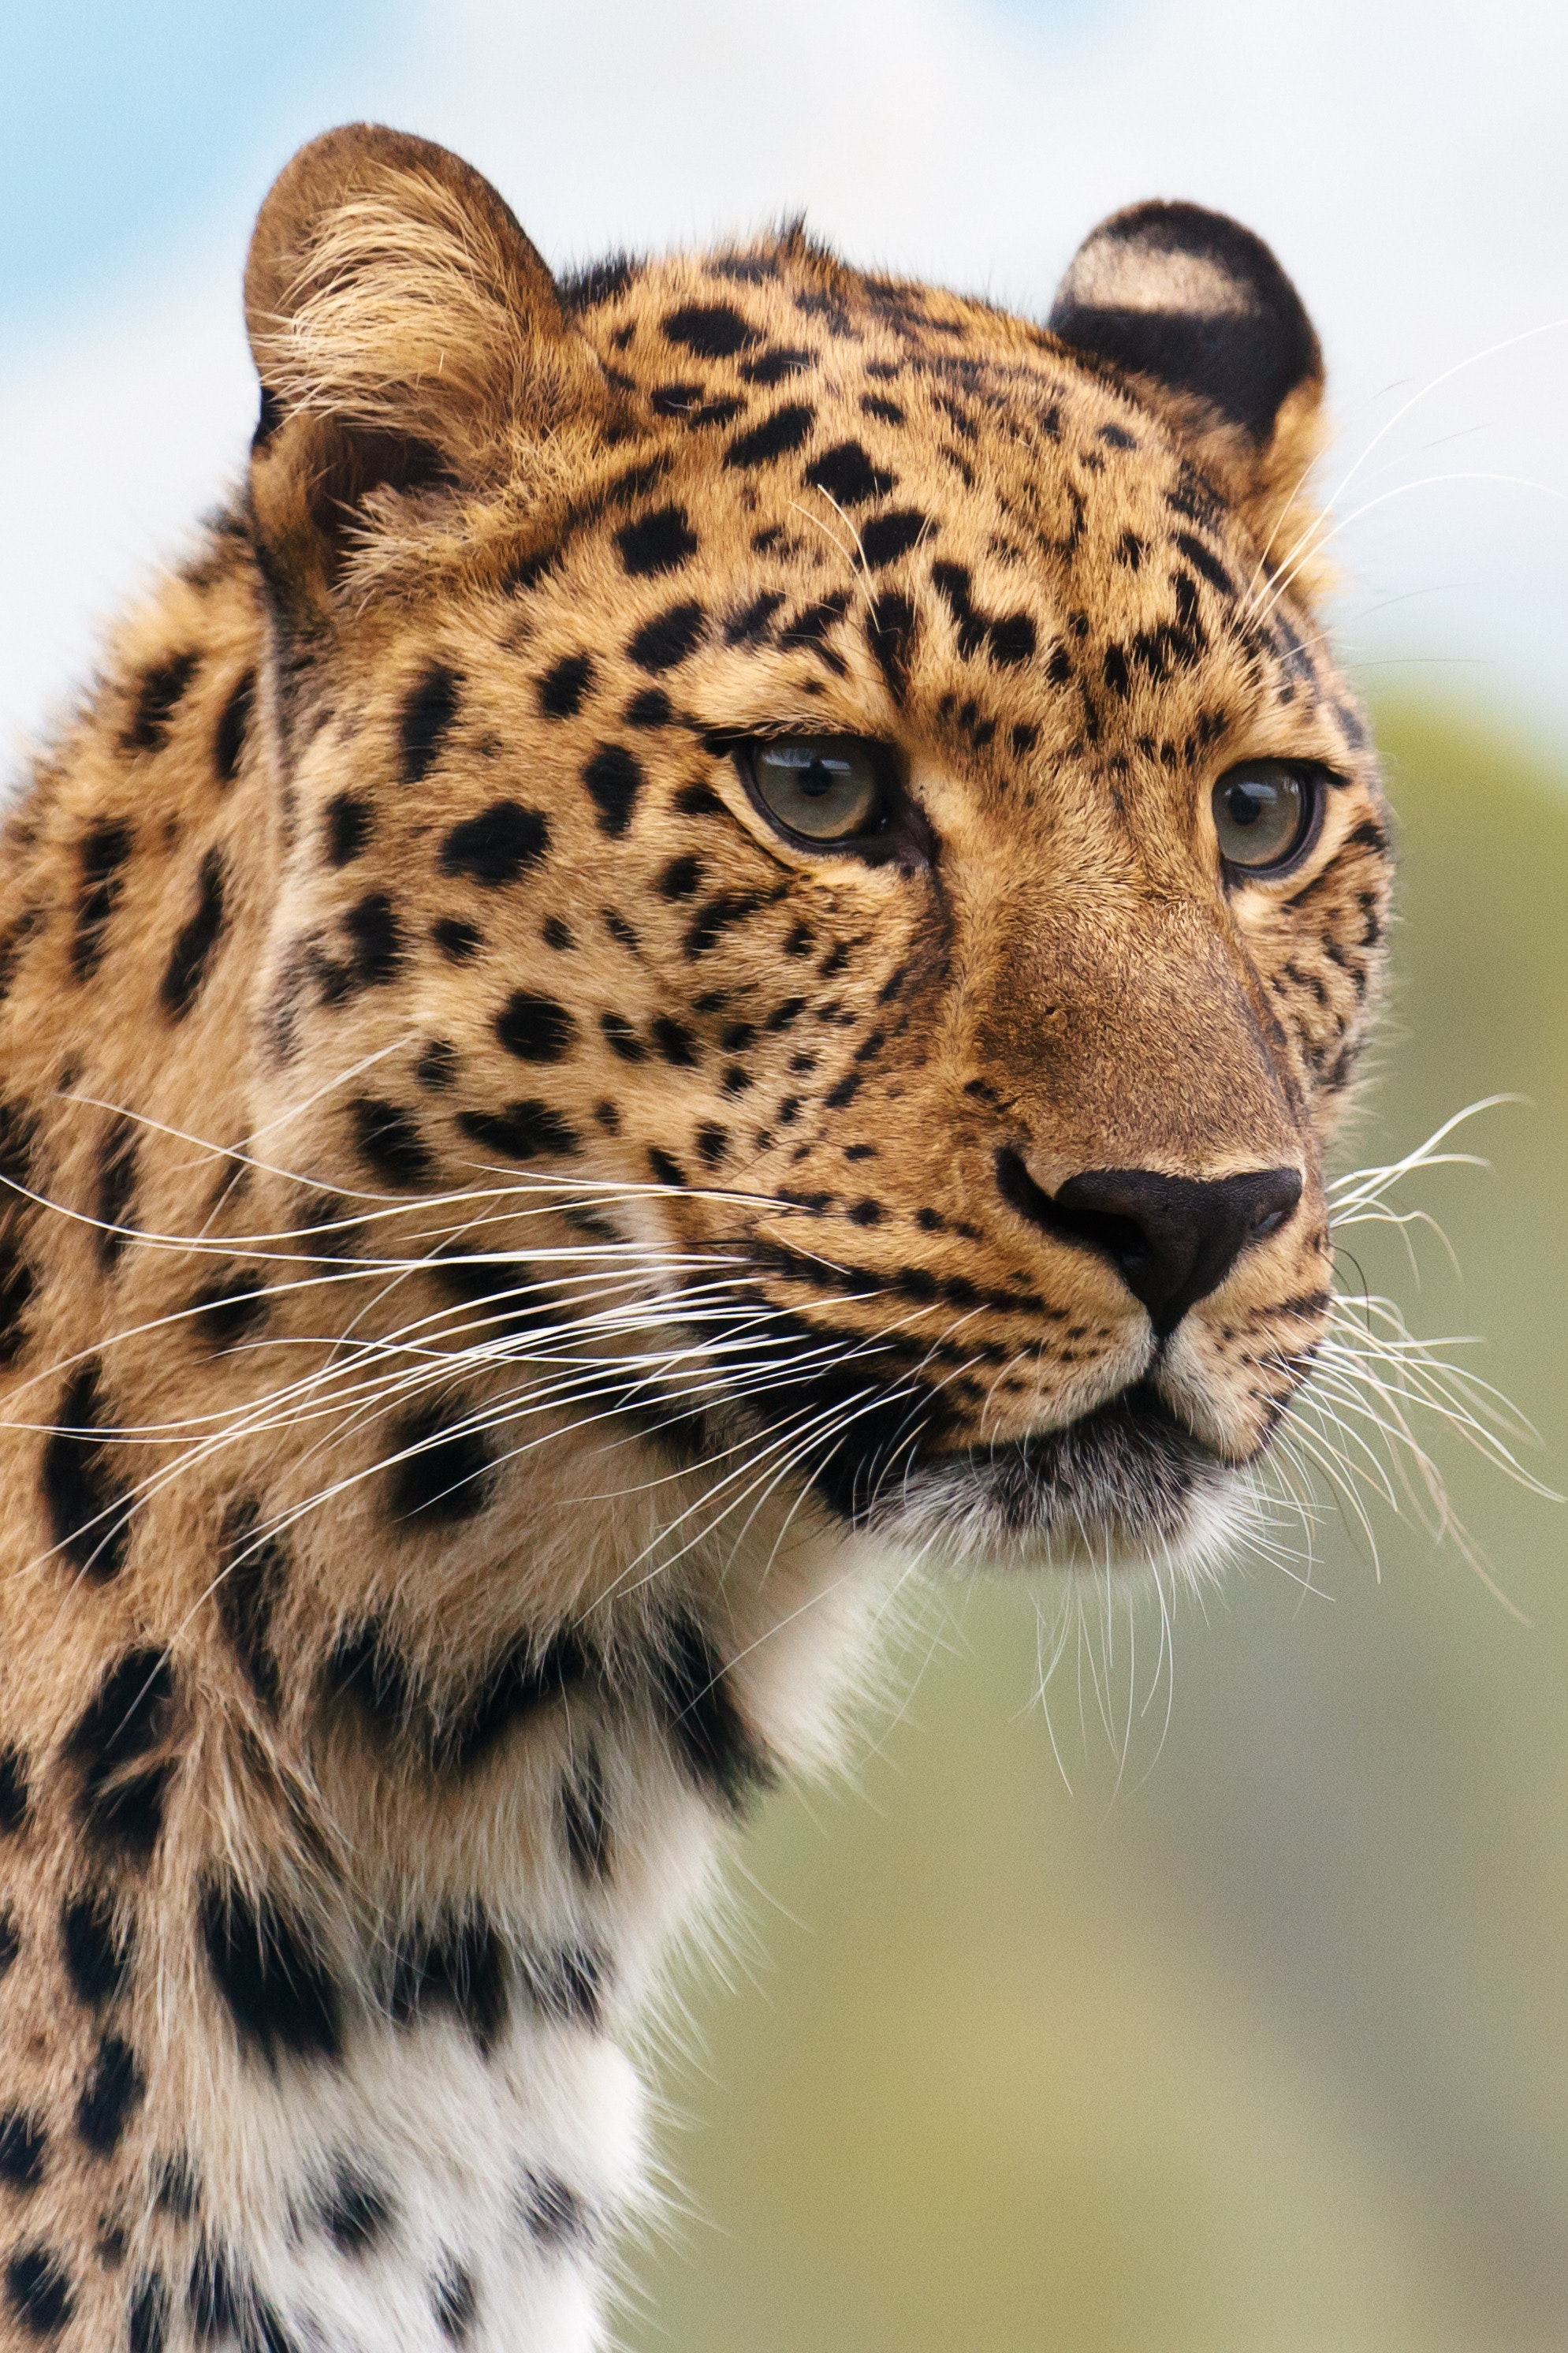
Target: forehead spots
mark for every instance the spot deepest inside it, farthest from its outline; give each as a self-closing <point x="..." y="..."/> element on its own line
<point x="659" y="644"/>
<point x="427" y="713"/>
<point x="1008" y="638"/>
<point x="887" y="537"/>
<point x="659" y="541"/>
<point x="498" y="845"/>
<point x="848" y="476"/>
<point x="776" y="436"/>
<point x="709" y="331"/>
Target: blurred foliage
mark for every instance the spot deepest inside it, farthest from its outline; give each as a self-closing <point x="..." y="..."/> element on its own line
<point x="1259" y="2044"/>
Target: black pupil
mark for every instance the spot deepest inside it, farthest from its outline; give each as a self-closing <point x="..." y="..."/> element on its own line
<point x="816" y="778"/>
<point x="1247" y="803"/>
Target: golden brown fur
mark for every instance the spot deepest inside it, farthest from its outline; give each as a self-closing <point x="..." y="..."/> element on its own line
<point x="288" y="1015"/>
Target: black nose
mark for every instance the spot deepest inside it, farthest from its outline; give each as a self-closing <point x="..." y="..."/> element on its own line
<point x="1172" y="1240"/>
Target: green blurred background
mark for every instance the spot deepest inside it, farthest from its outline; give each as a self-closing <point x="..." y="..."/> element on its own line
<point x="1265" y="2051"/>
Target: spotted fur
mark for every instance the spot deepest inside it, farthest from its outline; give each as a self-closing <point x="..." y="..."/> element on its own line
<point x="504" y="1254"/>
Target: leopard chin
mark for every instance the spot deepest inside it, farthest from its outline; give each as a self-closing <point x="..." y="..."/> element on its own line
<point x="1129" y="1487"/>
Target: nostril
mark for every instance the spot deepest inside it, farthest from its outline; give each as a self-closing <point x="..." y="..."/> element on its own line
<point x="1172" y="1240"/>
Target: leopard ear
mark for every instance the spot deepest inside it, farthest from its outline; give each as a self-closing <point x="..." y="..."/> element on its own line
<point x="407" y="337"/>
<point x="1196" y="310"/>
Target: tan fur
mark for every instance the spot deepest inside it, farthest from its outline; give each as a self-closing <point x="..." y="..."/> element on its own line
<point x="785" y="1070"/>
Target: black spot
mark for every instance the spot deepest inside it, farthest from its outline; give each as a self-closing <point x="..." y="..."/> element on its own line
<point x="354" y="2211"/>
<point x="276" y="1986"/>
<point x="1012" y="639"/>
<point x="584" y="1817"/>
<point x="179" y="2191"/>
<point x="566" y="1983"/>
<point x="522" y="1130"/>
<point x="651" y="708"/>
<point x="666" y="1170"/>
<point x="498" y="845"/>
<point x="458" y="942"/>
<point x="1203" y="560"/>
<point x="349" y="823"/>
<point x="233" y="728"/>
<point x="158" y="698"/>
<point x="104" y="851"/>
<point x="700" y="800"/>
<point x="659" y="644"/>
<point x="868" y="1213"/>
<point x="427" y="713"/>
<point x="375" y="939"/>
<point x="226" y="1313"/>
<point x="711" y="1737"/>
<point x="713" y="1142"/>
<point x="599" y="282"/>
<point x="1009" y="638"/>
<point x="10" y="1940"/>
<point x="848" y="474"/>
<point x="750" y="627"/>
<point x="227" y="2309"/>
<point x="614" y="778"/>
<point x="891" y="628"/>
<point x="116" y="1185"/>
<point x="776" y="436"/>
<point x="120" y="1803"/>
<point x="717" y="915"/>
<point x="674" y="399"/>
<point x="552" y="2212"/>
<point x="13" y="1790"/>
<point x="887" y="537"/>
<point x="622" y="1039"/>
<point x="458" y="1965"/>
<point x="455" y="2301"/>
<point x="557" y="934"/>
<point x="1117" y="676"/>
<point x="88" y="1512"/>
<point x="390" y="1142"/>
<point x="660" y="540"/>
<point x="887" y="411"/>
<point x="535" y="1029"/>
<point x="620" y="930"/>
<point x="437" y="1067"/>
<point x="442" y="1472"/>
<point x="252" y="1577"/>
<point x="561" y="689"/>
<point x="709" y="331"/>
<point x="23" y="2144"/>
<point x="149" y="2322"/>
<point x="192" y="951"/>
<point x="38" y="2291"/>
<point x="775" y="366"/>
<point x="675" y="1041"/>
<point x="97" y="1954"/>
<point x="681" y="878"/>
<point x="113" y="2090"/>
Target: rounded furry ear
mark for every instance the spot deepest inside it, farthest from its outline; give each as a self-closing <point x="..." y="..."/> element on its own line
<point x="407" y="336"/>
<point x="1196" y="302"/>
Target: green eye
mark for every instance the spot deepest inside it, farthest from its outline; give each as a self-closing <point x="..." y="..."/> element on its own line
<point x="1264" y="813"/>
<point x="823" y="788"/>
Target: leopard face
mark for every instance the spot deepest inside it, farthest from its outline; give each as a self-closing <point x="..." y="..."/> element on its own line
<point x="770" y="755"/>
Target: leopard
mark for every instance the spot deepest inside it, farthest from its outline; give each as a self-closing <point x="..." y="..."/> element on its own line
<point x="697" y="963"/>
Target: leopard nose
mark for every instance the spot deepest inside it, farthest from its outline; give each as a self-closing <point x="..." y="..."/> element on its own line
<point x="1172" y="1240"/>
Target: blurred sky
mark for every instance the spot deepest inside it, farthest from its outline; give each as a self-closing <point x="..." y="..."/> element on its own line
<point x="1407" y="164"/>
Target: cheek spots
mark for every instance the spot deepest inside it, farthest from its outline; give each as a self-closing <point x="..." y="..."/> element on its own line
<point x="458" y="941"/>
<point x="502" y="842"/>
<point x="349" y="827"/>
<point x="116" y="1189"/>
<point x="280" y="1995"/>
<point x="86" y="1507"/>
<point x="662" y="643"/>
<point x="124" y="1784"/>
<point x="375" y="945"/>
<point x="234" y="729"/>
<point x="887" y="537"/>
<point x="522" y="1130"/>
<point x="390" y="1143"/>
<point x="535" y="1029"/>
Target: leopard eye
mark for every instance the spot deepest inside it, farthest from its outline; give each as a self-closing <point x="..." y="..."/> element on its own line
<point x="826" y="788"/>
<point x="1266" y="814"/>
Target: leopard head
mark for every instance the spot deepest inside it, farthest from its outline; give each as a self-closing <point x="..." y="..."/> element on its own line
<point x="836" y="795"/>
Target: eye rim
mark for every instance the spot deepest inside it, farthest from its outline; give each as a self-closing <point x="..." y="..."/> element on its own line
<point x="899" y="834"/>
<point x="1317" y="780"/>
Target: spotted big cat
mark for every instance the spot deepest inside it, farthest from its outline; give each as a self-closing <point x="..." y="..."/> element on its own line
<point x="701" y="958"/>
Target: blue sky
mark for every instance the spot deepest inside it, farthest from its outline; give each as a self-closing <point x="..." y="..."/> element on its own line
<point x="1408" y="166"/>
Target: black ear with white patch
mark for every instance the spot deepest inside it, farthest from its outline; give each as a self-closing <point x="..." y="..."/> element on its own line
<point x="1195" y="301"/>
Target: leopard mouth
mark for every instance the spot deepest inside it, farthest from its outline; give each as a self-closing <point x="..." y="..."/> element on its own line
<point x="1128" y="1484"/>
